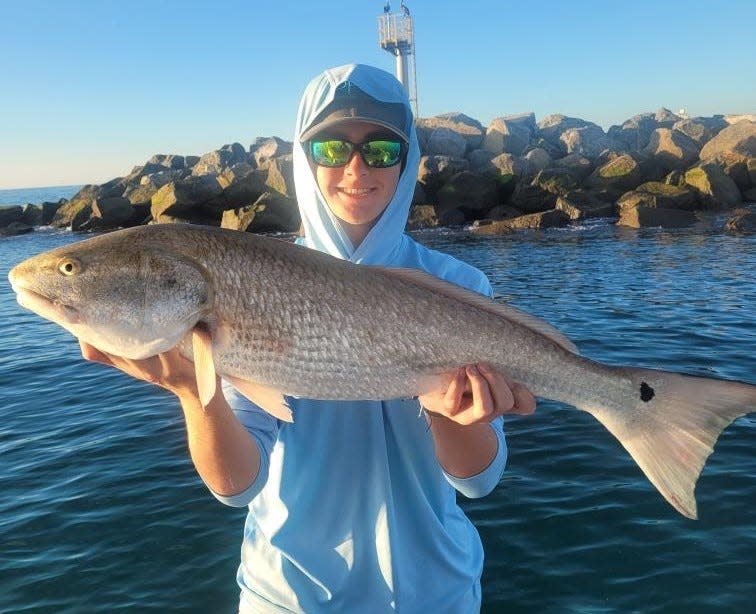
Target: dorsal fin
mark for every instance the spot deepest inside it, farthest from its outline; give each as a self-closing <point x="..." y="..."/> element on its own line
<point x="421" y="278"/>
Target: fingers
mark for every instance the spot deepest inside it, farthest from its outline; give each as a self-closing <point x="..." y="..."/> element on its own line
<point x="452" y="400"/>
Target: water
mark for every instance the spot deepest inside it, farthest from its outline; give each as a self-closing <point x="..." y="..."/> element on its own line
<point x="102" y="510"/>
<point x="21" y="196"/>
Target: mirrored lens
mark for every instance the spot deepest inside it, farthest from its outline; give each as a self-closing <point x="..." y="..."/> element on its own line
<point x="331" y="153"/>
<point x="379" y="153"/>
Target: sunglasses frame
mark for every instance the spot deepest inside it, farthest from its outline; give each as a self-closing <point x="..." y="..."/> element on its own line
<point x="358" y="148"/>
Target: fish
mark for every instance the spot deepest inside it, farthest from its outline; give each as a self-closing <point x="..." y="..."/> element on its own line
<point x="277" y="319"/>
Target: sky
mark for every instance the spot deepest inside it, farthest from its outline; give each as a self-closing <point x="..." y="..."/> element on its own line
<point x="91" y="88"/>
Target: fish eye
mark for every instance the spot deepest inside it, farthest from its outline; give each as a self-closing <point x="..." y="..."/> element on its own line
<point x="69" y="266"/>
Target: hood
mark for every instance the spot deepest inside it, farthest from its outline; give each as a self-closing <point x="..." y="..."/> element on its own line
<point x="322" y="230"/>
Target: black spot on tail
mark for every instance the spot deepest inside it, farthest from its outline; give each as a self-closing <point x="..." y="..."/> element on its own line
<point x="647" y="393"/>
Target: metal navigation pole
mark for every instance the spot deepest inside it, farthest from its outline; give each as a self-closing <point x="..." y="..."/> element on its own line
<point x="396" y="35"/>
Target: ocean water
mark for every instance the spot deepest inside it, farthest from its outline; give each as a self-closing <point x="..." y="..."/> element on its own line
<point x="102" y="511"/>
<point x="21" y="196"/>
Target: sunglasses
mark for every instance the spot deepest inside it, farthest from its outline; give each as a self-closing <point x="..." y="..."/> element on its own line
<point x="376" y="153"/>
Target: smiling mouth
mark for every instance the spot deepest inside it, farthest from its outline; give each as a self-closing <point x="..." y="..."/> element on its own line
<point x="356" y="191"/>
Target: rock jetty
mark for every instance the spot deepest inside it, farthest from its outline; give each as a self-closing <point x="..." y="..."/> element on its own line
<point x="655" y="169"/>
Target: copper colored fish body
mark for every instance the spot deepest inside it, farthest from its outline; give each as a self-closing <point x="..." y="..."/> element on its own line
<point x="275" y="318"/>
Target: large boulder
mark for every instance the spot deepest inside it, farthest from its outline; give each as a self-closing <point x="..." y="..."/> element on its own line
<point x="589" y="141"/>
<point x="578" y="165"/>
<point x="581" y="204"/>
<point x="271" y="212"/>
<point x="76" y="211"/>
<point x="280" y="174"/>
<point x="534" y="221"/>
<point x="742" y="220"/>
<point x="15" y="228"/>
<point x="242" y="185"/>
<point x="738" y="139"/>
<point x="700" y="129"/>
<point x="672" y="150"/>
<point x="551" y="128"/>
<point x="506" y="136"/>
<point x="645" y="217"/>
<point x="8" y="215"/>
<point x="636" y="131"/>
<point x="618" y="175"/>
<point x="532" y="198"/>
<point x="422" y="216"/>
<point x="112" y="212"/>
<point x="435" y="171"/>
<point x="468" y="129"/>
<point x="557" y="180"/>
<point x="196" y="198"/>
<point x="537" y="159"/>
<point x="214" y="162"/>
<point x="468" y="191"/>
<point x="658" y="195"/>
<point x="267" y="148"/>
<point x="445" y="142"/>
<point x="168" y="161"/>
<point x="714" y="188"/>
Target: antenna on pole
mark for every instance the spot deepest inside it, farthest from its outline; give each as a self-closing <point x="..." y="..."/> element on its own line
<point x="396" y="35"/>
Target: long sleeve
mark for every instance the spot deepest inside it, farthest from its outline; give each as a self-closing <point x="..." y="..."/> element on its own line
<point x="264" y="428"/>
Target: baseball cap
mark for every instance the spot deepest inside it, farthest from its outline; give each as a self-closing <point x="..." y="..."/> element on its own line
<point x="350" y="104"/>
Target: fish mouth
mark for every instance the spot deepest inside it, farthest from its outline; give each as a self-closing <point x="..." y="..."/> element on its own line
<point x="46" y="307"/>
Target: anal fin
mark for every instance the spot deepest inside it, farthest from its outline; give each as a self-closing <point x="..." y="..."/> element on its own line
<point x="204" y="366"/>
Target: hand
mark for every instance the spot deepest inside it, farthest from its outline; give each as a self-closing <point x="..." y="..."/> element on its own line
<point x="478" y="393"/>
<point x="169" y="370"/>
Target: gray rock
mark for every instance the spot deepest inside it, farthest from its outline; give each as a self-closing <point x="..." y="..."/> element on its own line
<point x="505" y="136"/>
<point x="700" y="129"/>
<point x="715" y="190"/>
<point x="270" y="213"/>
<point x="618" y="175"/>
<point x="434" y="171"/>
<point x="537" y="159"/>
<point x="589" y="141"/>
<point x="738" y="138"/>
<point x="671" y="149"/>
<point x="422" y="216"/>
<point x="446" y="142"/>
<point x="469" y="129"/>
<point x="196" y="198"/>
<point x="467" y="190"/>
<point x="645" y="217"/>
<point x="534" y="221"/>
<point x="266" y="148"/>
<point x="168" y="161"/>
<point x="15" y="228"/>
<point x="580" y="166"/>
<point x="741" y="221"/>
<point x="657" y="195"/>
<point x="112" y="212"/>
<point x="580" y="205"/>
<point x="9" y="215"/>
<point x="532" y="198"/>
<point x="557" y="180"/>
<point x="552" y="127"/>
<point x="214" y="162"/>
<point x="636" y="131"/>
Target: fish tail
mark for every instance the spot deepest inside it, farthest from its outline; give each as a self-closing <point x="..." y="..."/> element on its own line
<point x="673" y="426"/>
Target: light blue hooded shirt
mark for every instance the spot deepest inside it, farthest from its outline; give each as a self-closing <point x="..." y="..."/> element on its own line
<point x="351" y="511"/>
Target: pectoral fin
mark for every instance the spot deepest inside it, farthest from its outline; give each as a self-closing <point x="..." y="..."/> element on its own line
<point x="204" y="367"/>
<point x="270" y="399"/>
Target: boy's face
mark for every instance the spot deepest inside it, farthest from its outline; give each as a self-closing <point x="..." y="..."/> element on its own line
<point x="356" y="193"/>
